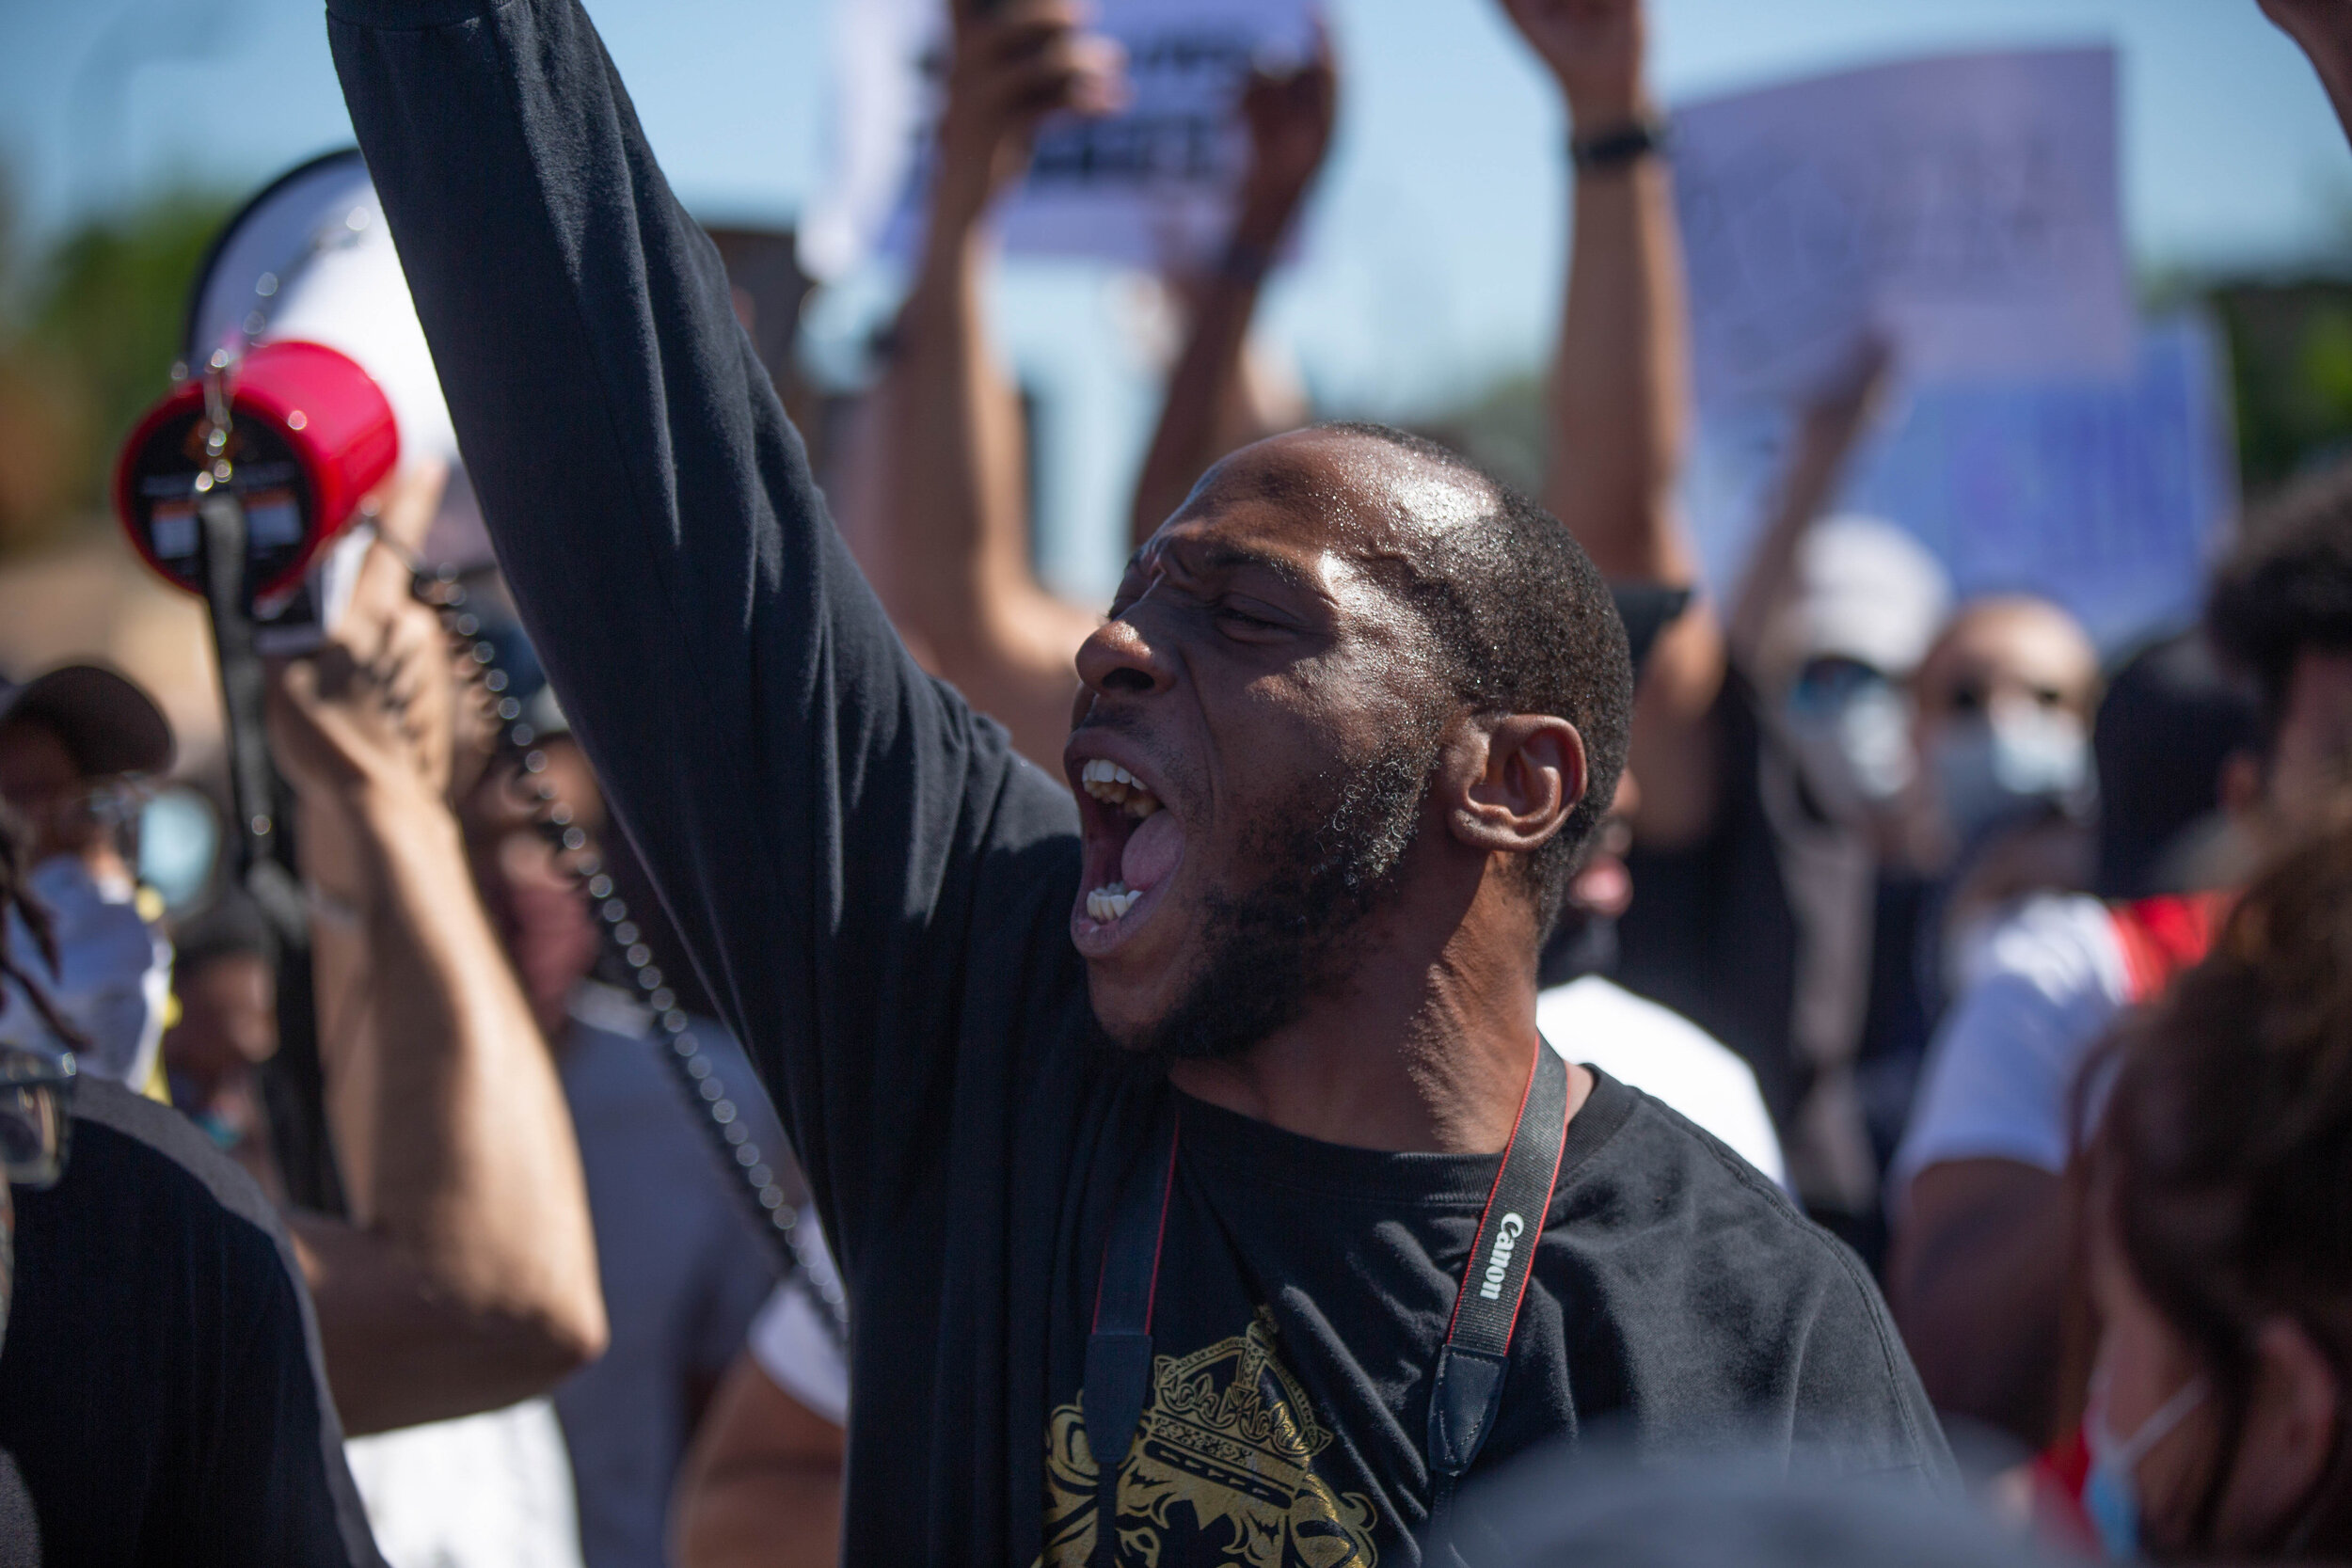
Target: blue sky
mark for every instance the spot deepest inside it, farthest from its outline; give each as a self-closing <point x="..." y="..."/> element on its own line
<point x="1435" y="243"/>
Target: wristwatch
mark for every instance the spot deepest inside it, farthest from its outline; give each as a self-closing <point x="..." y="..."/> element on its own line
<point x="1617" y="146"/>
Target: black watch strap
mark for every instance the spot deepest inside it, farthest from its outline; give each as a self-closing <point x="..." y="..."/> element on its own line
<point x="1615" y="146"/>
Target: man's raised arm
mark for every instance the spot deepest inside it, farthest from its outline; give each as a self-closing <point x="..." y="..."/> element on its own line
<point x="815" y="810"/>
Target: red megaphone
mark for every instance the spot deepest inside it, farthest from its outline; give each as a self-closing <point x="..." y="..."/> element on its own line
<point x="309" y="433"/>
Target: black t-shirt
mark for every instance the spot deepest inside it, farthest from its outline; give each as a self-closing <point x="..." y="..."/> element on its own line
<point x="1304" y="1289"/>
<point x="160" y="1386"/>
<point x="876" y="892"/>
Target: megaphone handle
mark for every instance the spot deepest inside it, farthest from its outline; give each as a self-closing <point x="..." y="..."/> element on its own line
<point x="292" y="1082"/>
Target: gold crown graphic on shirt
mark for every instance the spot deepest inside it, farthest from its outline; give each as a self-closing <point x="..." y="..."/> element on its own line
<point x="1236" y="1392"/>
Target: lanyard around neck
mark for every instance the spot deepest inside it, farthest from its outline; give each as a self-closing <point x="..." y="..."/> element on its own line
<point x="1466" y="1385"/>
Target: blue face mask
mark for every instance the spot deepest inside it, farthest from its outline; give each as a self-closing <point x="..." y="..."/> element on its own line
<point x="1990" y="768"/>
<point x="2111" y="1490"/>
<point x="113" y="979"/>
<point x="1851" y="729"/>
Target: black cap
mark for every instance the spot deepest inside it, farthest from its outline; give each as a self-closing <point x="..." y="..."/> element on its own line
<point x="108" y="725"/>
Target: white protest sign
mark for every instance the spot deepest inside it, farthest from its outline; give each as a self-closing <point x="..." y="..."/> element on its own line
<point x="1963" y="209"/>
<point x="887" y="56"/>
<point x="1149" y="186"/>
<point x="2107" y="497"/>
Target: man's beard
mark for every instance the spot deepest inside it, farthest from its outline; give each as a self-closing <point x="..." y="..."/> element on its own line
<point x="1272" y="949"/>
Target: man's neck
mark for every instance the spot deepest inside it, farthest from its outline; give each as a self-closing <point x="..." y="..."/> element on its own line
<point x="1422" y="1052"/>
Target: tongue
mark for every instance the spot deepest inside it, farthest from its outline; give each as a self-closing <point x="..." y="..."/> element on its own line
<point x="1151" y="850"/>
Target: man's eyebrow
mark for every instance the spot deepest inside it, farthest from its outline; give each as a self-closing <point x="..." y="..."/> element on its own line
<point x="1225" y="556"/>
<point x="1230" y="558"/>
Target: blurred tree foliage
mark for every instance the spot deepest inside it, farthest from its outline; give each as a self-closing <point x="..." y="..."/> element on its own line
<point x="88" y="330"/>
<point x="2291" y="373"/>
<point x="1501" y="429"/>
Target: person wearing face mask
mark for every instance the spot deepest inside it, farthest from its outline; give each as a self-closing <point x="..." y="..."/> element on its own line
<point x="2218" y="1230"/>
<point x="76" y="743"/>
<point x="1994" y="814"/>
<point x="2004" y="701"/>
<point x="162" y="1395"/>
<point x="2201" y="779"/>
<point x="1867" y="598"/>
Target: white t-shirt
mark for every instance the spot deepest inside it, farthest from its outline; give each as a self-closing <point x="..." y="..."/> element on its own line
<point x="1666" y="1056"/>
<point x="1635" y="1041"/>
<point x="1999" y="1082"/>
<point x="792" y="1341"/>
<point x="487" y="1491"/>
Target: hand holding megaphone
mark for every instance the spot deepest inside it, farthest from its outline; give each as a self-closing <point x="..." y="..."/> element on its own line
<point x="374" y="710"/>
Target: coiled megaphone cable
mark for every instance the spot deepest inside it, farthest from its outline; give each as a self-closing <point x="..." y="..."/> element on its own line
<point x="752" y="1177"/>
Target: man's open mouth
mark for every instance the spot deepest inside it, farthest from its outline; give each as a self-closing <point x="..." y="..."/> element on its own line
<point x="1134" y="848"/>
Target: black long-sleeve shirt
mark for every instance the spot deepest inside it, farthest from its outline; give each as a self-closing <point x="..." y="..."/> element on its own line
<point x="877" y="890"/>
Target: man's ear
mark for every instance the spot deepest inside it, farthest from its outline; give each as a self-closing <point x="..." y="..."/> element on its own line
<point x="1512" y="780"/>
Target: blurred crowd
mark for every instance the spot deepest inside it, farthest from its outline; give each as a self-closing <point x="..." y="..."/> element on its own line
<point x="2024" y="972"/>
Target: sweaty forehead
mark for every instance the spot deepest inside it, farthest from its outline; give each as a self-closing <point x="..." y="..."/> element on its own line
<point x="1319" y="492"/>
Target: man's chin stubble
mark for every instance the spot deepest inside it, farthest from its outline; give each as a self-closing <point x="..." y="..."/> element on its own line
<point x="1274" y="950"/>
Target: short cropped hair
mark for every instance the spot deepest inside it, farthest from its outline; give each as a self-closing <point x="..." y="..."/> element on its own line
<point x="1525" y="624"/>
<point x="2288" y="588"/>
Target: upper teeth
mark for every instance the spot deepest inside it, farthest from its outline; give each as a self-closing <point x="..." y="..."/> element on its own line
<point x="1110" y="903"/>
<point x="1114" y="785"/>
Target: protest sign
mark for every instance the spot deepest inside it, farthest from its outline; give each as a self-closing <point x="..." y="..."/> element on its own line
<point x="1149" y="186"/>
<point x="1963" y="209"/>
<point x="2108" y="498"/>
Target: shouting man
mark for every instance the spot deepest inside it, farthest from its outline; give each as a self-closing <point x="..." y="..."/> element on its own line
<point x="1202" y="1186"/>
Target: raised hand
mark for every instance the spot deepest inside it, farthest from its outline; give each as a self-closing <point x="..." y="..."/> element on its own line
<point x="1290" y="118"/>
<point x="1016" y="62"/>
<point x="1594" y="49"/>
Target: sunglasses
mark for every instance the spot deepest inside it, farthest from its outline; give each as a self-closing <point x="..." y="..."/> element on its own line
<point x="35" y="1106"/>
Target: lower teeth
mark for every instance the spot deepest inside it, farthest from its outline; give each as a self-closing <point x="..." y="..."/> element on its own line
<point x="1106" y="904"/>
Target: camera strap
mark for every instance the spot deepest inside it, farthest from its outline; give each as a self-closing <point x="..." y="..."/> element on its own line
<point x="1466" y="1384"/>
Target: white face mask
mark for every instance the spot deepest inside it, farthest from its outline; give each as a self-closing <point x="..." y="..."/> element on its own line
<point x="1990" y="767"/>
<point x="2111" y="1490"/>
<point x="113" y="979"/>
<point x="1851" y="731"/>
